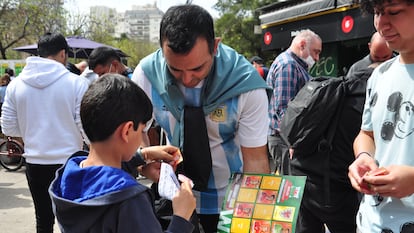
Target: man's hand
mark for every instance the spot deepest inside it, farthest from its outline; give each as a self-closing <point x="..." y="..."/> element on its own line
<point x="168" y="153"/>
<point x="154" y="155"/>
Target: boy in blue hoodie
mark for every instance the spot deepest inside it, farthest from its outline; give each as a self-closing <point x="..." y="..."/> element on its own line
<point x="91" y="193"/>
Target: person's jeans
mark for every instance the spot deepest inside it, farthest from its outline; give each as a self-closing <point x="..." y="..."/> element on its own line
<point x="279" y="151"/>
<point x="39" y="178"/>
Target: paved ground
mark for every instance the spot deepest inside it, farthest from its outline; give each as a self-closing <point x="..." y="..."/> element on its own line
<point x="16" y="205"/>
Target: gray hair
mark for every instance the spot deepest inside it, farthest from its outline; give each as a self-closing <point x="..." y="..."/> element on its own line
<point x="308" y="35"/>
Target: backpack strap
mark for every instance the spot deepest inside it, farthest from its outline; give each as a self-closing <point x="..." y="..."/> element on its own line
<point x="326" y="144"/>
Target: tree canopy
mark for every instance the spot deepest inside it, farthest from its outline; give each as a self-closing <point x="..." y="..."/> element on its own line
<point x="236" y="24"/>
<point x="23" y="21"/>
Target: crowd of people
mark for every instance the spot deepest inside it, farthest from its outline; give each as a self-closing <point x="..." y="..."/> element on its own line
<point x="219" y="118"/>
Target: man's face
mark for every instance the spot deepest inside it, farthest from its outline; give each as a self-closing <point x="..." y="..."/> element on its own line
<point x="102" y="69"/>
<point x="315" y="49"/>
<point x="191" y="68"/>
<point x="394" y="21"/>
<point x="111" y="67"/>
<point x="380" y="52"/>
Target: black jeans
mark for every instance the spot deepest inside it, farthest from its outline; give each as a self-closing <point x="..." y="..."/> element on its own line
<point x="339" y="216"/>
<point x="39" y="178"/>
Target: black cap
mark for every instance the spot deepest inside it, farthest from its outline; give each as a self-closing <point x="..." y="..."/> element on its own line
<point x="256" y="59"/>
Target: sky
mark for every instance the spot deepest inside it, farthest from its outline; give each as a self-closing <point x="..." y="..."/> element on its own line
<point x="123" y="5"/>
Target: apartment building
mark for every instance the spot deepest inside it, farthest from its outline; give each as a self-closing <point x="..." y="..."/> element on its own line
<point x="141" y="22"/>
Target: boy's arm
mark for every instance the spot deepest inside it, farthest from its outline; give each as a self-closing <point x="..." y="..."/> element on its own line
<point x="137" y="215"/>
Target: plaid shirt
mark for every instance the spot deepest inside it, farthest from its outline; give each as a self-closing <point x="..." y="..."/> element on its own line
<point x="287" y="75"/>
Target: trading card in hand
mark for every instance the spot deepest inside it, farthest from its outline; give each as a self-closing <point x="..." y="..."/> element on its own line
<point x="178" y="157"/>
<point x="378" y="172"/>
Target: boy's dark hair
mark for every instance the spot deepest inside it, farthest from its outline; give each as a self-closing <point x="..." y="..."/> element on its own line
<point x="182" y="25"/>
<point x="370" y="5"/>
<point x="110" y="101"/>
<point x="51" y="44"/>
<point x="102" y="56"/>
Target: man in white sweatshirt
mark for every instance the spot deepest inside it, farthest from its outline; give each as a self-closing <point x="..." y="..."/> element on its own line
<point x="42" y="106"/>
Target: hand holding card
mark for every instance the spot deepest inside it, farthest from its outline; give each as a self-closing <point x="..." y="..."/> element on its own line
<point x="168" y="184"/>
<point x="378" y="172"/>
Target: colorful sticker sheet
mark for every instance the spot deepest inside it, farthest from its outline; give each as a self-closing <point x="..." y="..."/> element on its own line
<point x="261" y="203"/>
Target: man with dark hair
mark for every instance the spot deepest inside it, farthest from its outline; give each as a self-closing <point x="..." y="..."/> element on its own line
<point x="104" y="60"/>
<point x="51" y="44"/>
<point x="211" y="103"/>
<point x="42" y="106"/>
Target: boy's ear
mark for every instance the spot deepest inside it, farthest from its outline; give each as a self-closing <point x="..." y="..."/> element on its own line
<point x="125" y="130"/>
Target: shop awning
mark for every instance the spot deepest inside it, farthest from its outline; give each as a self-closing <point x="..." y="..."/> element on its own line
<point x="332" y="20"/>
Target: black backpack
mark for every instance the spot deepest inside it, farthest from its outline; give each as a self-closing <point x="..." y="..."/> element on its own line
<point x="310" y="113"/>
<point x="310" y="127"/>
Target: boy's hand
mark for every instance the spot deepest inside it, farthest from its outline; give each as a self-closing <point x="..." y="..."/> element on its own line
<point x="357" y="171"/>
<point x="184" y="201"/>
<point x="378" y="172"/>
<point x="395" y="181"/>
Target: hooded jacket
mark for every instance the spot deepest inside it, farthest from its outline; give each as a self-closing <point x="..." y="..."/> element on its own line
<point x="42" y="106"/>
<point x="104" y="199"/>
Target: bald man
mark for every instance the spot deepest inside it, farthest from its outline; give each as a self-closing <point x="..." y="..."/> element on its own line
<point x="378" y="52"/>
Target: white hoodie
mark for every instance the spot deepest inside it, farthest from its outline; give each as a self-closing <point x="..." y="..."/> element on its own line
<point x="42" y="106"/>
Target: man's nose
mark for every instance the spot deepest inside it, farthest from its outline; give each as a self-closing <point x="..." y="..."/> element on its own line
<point x="186" y="78"/>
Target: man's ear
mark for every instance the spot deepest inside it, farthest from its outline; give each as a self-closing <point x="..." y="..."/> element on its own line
<point x="115" y="64"/>
<point x="216" y="43"/>
<point x="302" y="45"/>
<point x="62" y="53"/>
<point x="61" y="56"/>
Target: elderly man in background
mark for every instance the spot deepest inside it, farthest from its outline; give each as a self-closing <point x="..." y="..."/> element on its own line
<point x="287" y="75"/>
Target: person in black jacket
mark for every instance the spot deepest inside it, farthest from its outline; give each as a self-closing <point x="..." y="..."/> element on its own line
<point x="329" y="199"/>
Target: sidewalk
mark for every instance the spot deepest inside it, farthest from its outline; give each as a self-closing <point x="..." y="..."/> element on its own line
<point x="16" y="205"/>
